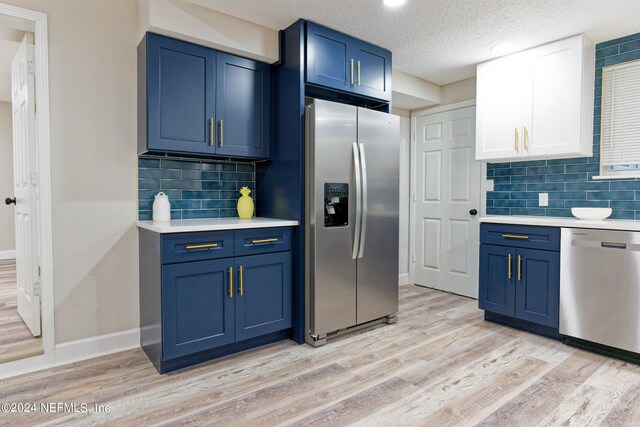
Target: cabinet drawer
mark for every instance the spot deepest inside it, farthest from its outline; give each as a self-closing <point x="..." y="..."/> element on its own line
<point x="183" y="247"/>
<point x="521" y="236"/>
<point x="260" y="241"/>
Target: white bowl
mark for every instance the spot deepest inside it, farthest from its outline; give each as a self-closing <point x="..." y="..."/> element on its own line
<point x="591" y="213"/>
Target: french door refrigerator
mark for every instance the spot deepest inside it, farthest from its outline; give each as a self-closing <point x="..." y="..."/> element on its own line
<point x="352" y="206"/>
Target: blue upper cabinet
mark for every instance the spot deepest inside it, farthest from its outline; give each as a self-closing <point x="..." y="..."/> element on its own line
<point x="196" y="101"/>
<point x="337" y="61"/>
<point x="373" y="71"/>
<point x="180" y="95"/>
<point x="242" y="106"/>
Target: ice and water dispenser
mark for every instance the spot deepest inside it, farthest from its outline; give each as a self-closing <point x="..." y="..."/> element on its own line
<point x="336" y="205"/>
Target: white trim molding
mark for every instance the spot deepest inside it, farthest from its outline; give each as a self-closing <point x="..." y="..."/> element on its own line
<point x="8" y="254"/>
<point x="74" y="351"/>
<point x="39" y="22"/>
<point x="404" y="279"/>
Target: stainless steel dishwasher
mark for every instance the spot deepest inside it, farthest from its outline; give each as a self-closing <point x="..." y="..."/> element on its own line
<point x="600" y="288"/>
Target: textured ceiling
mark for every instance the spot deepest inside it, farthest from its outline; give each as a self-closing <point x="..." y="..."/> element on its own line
<point x="443" y="40"/>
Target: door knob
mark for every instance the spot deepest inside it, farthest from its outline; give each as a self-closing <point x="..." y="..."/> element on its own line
<point x="473" y="212"/>
<point x="10" y="201"/>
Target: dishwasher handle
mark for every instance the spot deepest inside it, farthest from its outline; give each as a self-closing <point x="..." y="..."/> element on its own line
<point x="612" y="245"/>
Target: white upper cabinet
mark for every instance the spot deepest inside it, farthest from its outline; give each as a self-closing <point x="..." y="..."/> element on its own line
<point x="537" y="104"/>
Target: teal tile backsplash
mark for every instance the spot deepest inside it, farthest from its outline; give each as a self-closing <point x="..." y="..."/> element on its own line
<point x="196" y="188"/>
<point x="569" y="181"/>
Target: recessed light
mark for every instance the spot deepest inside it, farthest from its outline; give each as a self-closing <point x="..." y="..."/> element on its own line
<point x="394" y="3"/>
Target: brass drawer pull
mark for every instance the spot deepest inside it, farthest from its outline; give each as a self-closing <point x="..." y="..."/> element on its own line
<point x="509" y="268"/>
<point x="526" y="138"/>
<point x="351" y="65"/>
<point x="358" y="73"/>
<point x="265" y="241"/>
<point x="519" y="267"/>
<point x="516" y="142"/>
<point x="241" y="284"/>
<point x="212" y="131"/>
<point x="230" y="282"/>
<point x="208" y="245"/>
<point x="513" y="236"/>
<point x="221" y="133"/>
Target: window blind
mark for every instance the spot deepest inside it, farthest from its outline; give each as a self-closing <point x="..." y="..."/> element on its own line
<point x="620" y="115"/>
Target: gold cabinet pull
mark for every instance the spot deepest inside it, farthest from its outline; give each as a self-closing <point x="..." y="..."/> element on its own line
<point x="265" y="241"/>
<point x="212" y="131"/>
<point x="526" y="138"/>
<point x="519" y="267"/>
<point x="230" y="282"/>
<point x="351" y="65"/>
<point x="358" y="73"/>
<point x="241" y="284"/>
<point x="221" y="133"/>
<point x="207" y="245"/>
<point x="509" y="268"/>
<point x="516" y="140"/>
<point x="513" y="236"/>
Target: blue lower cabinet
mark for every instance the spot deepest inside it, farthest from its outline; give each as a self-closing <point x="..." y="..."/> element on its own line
<point x="520" y="286"/>
<point x="197" y="307"/>
<point x="538" y="290"/>
<point x="497" y="292"/>
<point x="263" y="302"/>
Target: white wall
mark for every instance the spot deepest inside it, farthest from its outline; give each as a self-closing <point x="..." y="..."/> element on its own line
<point x="462" y="90"/>
<point x="92" y="69"/>
<point x="405" y="171"/>
<point x="7" y="223"/>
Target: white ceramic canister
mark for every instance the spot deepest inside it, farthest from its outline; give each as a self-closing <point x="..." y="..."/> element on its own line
<point x="161" y="208"/>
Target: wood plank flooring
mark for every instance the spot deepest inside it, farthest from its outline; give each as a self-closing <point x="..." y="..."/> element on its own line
<point x="440" y="365"/>
<point x="16" y="341"/>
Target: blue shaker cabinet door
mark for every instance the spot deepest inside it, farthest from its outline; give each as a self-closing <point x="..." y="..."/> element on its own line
<point x="242" y="107"/>
<point x="263" y="303"/>
<point x="329" y="55"/>
<point x="538" y="287"/>
<point x="373" y="71"/>
<point x="497" y="279"/>
<point x="197" y="308"/>
<point x="180" y="96"/>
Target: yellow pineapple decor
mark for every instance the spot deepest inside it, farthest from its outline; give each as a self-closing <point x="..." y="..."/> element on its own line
<point x="245" y="204"/>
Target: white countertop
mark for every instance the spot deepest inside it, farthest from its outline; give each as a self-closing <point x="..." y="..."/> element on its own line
<point x="607" y="224"/>
<point x="213" y="224"/>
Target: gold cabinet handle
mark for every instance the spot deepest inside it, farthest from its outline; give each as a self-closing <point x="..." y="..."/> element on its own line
<point x="351" y="65"/>
<point x="212" y="131"/>
<point x="509" y="268"/>
<point x="221" y="133"/>
<point x="519" y="267"/>
<point x="265" y="241"/>
<point x="241" y="284"/>
<point x="207" y="245"/>
<point x="358" y="73"/>
<point x="526" y="137"/>
<point x="513" y="236"/>
<point x="230" y="282"/>
<point x="516" y="140"/>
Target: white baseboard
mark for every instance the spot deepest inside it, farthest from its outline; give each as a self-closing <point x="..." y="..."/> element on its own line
<point x="101" y="345"/>
<point x="7" y="254"/>
<point x="73" y="351"/>
<point x="404" y="279"/>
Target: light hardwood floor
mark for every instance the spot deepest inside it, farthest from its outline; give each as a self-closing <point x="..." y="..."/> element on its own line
<point x="16" y="341"/>
<point x="440" y="365"/>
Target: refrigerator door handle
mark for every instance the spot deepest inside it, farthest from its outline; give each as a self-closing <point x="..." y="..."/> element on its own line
<point x="363" y="229"/>
<point x="356" y="237"/>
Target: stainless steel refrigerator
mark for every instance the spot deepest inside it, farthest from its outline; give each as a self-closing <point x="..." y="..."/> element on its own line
<point x="352" y="204"/>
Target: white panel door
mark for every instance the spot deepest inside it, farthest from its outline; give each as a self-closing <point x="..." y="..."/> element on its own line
<point x="499" y="109"/>
<point x="25" y="181"/>
<point x="447" y="191"/>
<point x="551" y="111"/>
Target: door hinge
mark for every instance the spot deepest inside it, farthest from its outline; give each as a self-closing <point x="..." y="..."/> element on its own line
<point x="37" y="289"/>
<point x="413" y="258"/>
<point x="31" y="68"/>
<point x="414" y="136"/>
<point x="39" y="272"/>
<point x="414" y="197"/>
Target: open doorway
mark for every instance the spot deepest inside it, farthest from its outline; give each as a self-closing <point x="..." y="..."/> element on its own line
<point x="20" y="307"/>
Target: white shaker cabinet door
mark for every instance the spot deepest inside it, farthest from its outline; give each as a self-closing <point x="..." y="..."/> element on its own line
<point x="499" y="109"/>
<point x="552" y="108"/>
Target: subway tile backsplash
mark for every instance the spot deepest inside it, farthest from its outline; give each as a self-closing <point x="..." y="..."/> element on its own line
<point x="196" y="188"/>
<point x="568" y="181"/>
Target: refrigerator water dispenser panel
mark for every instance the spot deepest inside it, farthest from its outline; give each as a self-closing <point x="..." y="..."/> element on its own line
<point x="336" y="205"/>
